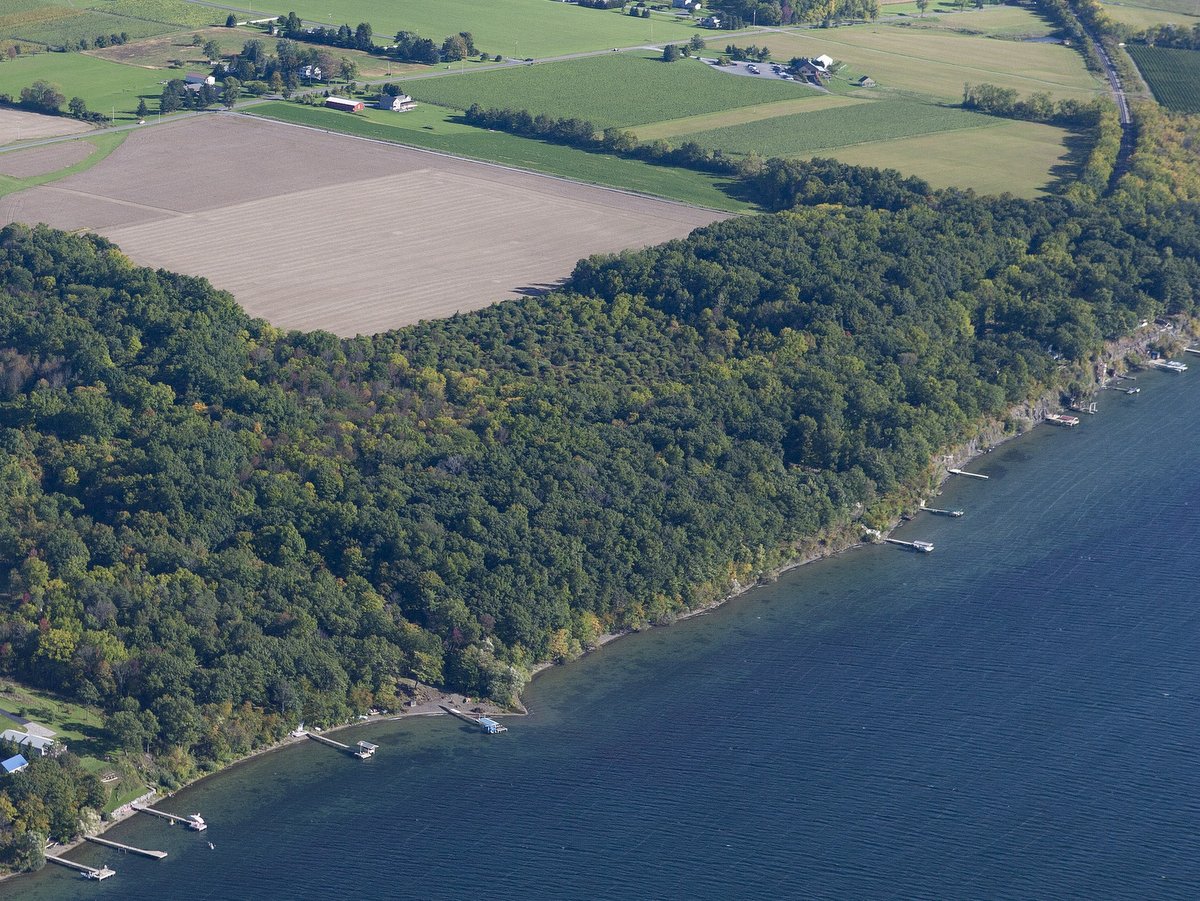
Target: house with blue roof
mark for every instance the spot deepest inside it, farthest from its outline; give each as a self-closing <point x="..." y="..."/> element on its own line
<point x="14" y="764"/>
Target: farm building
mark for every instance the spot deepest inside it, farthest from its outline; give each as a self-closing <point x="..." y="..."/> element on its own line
<point x="710" y="22"/>
<point x="812" y="70"/>
<point x="14" y="764"/>
<point x="867" y="81"/>
<point x="40" y="745"/>
<point x="685" y="4"/>
<point x="197" y="78"/>
<point x="344" y="104"/>
<point x="824" y="59"/>
<point x="396" y="103"/>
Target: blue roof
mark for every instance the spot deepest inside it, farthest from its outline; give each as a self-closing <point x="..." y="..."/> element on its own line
<point x="14" y="763"/>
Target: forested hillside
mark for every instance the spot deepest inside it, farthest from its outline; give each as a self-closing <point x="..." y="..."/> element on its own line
<point x="214" y="529"/>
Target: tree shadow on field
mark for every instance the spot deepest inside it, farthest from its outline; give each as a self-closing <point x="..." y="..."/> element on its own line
<point x="1066" y="171"/>
<point x="539" y="290"/>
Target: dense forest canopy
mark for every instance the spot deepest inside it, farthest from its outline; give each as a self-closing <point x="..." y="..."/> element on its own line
<point x="212" y="528"/>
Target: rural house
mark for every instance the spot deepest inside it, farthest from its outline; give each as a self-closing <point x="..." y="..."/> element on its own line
<point x="710" y="22"/>
<point x="344" y="104"/>
<point x="685" y="4"/>
<point x="396" y="103"/>
<point x="41" y="746"/>
<point x="310" y="73"/>
<point x="812" y="70"/>
<point x="197" y="79"/>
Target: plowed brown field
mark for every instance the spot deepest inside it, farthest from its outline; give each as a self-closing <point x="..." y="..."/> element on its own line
<point x="312" y="230"/>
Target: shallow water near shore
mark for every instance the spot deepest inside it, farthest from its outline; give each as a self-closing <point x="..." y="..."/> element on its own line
<point x="1015" y="715"/>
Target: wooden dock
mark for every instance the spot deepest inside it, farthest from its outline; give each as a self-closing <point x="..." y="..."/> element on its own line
<point x="1191" y="350"/>
<point x="194" y="821"/>
<point x="937" y="512"/>
<point x="969" y="475"/>
<point x="88" y="872"/>
<point x="129" y="849"/>
<point x="487" y="724"/>
<point x="925" y="547"/>
<point x="363" y="750"/>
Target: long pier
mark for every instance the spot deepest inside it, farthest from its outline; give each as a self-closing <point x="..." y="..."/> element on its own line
<point x="1192" y="350"/>
<point x="924" y="547"/>
<point x="937" y="512"/>
<point x="194" y="821"/>
<point x="129" y="849"/>
<point x="963" y="472"/>
<point x="88" y="872"/>
<point x="364" y="749"/>
<point x="487" y="724"/>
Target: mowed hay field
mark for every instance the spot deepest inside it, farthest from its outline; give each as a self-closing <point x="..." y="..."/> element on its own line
<point x="1139" y="17"/>
<point x="520" y="28"/>
<point x="620" y="89"/>
<point x="311" y="230"/>
<point x="1173" y="75"/>
<point x="106" y="87"/>
<point x="937" y="63"/>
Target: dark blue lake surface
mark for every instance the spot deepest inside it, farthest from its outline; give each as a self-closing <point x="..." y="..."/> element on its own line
<point x="1013" y="716"/>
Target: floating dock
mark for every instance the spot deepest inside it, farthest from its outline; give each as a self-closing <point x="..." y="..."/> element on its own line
<point x="362" y="750"/>
<point x="969" y="475"/>
<point x="1192" y="350"/>
<point x="937" y="512"/>
<point x="128" y="849"/>
<point x="925" y="547"/>
<point x="488" y="725"/>
<point x="193" y="821"/>
<point x="1063" y="420"/>
<point x="88" y="872"/>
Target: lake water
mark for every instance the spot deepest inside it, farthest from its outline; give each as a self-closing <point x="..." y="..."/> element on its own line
<point x="1013" y="716"/>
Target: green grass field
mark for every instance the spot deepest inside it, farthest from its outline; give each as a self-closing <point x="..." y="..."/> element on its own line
<point x="617" y="89"/>
<point x="937" y="63"/>
<point x="79" y="726"/>
<point x="991" y="21"/>
<point x="86" y="25"/>
<point x="434" y="128"/>
<point x="1187" y="7"/>
<point x="1173" y="75"/>
<point x="802" y="134"/>
<point x="61" y="22"/>
<point x="520" y="28"/>
<point x="1140" y="17"/>
<point x="1020" y="158"/>
<point x="104" y="144"/>
<point x="102" y="84"/>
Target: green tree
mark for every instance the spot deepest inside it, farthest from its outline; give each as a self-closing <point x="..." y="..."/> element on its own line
<point x="212" y="50"/>
<point x="231" y="92"/>
<point x="42" y="96"/>
<point x="77" y="108"/>
<point x="231" y="21"/>
<point x="142" y="110"/>
<point x="670" y="53"/>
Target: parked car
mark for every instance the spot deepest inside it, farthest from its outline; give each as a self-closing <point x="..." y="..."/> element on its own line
<point x="753" y="70"/>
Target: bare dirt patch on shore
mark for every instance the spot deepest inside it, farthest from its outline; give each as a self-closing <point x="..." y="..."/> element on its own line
<point x="43" y="160"/>
<point x="312" y="230"/>
<point x="19" y="125"/>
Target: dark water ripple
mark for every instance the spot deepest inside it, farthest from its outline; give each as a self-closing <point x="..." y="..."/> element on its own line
<point x="1015" y="716"/>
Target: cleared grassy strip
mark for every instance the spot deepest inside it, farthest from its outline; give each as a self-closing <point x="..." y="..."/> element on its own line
<point x="617" y="89"/>
<point x="104" y="144"/>
<point x="435" y="129"/>
<point x="806" y="133"/>
<point x="936" y="63"/>
<point x="176" y="12"/>
<point x="519" y="28"/>
<point x="674" y="128"/>
<point x="103" y="85"/>
<point x="1020" y="158"/>
<point x="1173" y="75"/>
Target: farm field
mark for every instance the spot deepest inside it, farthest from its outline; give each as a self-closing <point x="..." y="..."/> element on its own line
<point x="102" y="84"/>
<point x="1187" y="7"/>
<point x="1009" y="22"/>
<point x="57" y="22"/>
<point x="1173" y="75"/>
<point x="618" y="89"/>
<point x="436" y="128"/>
<point x="360" y="236"/>
<point x="831" y="129"/>
<point x="520" y="28"/>
<point x="21" y="169"/>
<point x="935" y="63"/>
<point x="1139" y="17"/>
<point x="18" y="125"/>
<point x="674" y="128"/>
<point x="1020" y="158"/>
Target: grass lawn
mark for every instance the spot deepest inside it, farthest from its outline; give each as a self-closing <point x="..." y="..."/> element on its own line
<point x="1173" y="75"/>
<point x="937" y="63"/>
<point x="434" y="128"/>
<point x="618" y="89"/>
<point x="79" y="726"/>
<point x="103" y="85"/>
<point x="1020" y="158"/>
<point x="993" y="21"/>
<point x="802" y="134"/>
<point x="519" y="28"/>
<point x="104" y="144"/>
<point x="1143" y="16"/>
